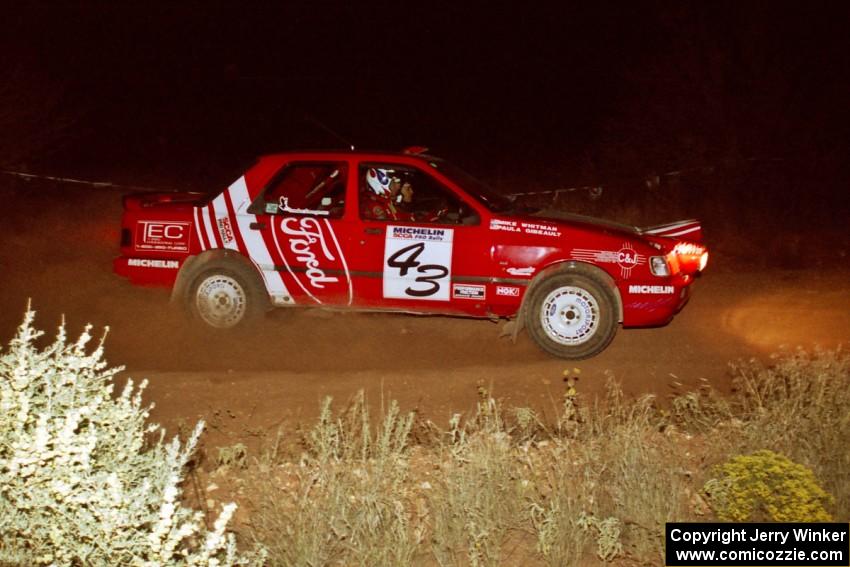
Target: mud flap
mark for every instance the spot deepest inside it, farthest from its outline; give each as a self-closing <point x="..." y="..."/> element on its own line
<point x="512" y="328"/>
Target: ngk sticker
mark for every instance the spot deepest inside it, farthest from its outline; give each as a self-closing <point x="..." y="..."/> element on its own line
<point x="507" y="291"/>
<point x="170" y="236"/>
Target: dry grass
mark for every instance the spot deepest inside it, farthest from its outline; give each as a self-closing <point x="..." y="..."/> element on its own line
<point x="502" y="487"/>
<point x="800" y="407"/>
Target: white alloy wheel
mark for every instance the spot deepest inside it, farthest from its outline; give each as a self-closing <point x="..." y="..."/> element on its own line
<point x="569" y="315"/>
<point x="572" y="313"/>
<point x="221" y="301"/>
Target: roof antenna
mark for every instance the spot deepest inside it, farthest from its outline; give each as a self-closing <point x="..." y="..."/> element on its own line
<point x="320" y="124"/>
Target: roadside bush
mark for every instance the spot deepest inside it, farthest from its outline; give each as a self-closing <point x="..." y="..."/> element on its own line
<point x="80" y="483"/>
<point x="766" y="486"/>
<point x="797" y="406"/>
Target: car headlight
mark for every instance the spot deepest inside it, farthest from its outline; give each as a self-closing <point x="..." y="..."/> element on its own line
<point x="690" y="257"/>
<point x="658" y="266"/>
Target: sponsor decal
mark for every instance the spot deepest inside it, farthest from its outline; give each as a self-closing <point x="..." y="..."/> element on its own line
<point x="540" y="229"/>
<point x="417" y="262"/>
<point x="225" y="230"/>
<point x="308" y="245"/>
<point x="521" y="271"/>
<point x="147" y="263"/>
<point x="172" y="236"/>
<point x="651" y="289"/>
<point x="507" y="290"/>
<point x="310" y="250"/>
<point x="419" y="233"/>
<point x="285" y="208"/>
<point x="504" y="225"/>
<point x="463" y="291"/>
<point x="220" y="208"/>
<point x="626" y="257"/>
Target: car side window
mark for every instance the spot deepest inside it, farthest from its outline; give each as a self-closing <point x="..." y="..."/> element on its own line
<point x="314" y="188"/>
<point x="394" y="192"/>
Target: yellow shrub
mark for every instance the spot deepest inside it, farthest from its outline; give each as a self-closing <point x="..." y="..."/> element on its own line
<point x="767" y="486"/>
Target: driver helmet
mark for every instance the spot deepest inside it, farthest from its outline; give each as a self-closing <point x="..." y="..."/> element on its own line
<point x="379" y="180"/>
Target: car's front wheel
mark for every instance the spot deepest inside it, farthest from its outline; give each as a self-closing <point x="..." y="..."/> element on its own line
<point x="225" y="297"/>
<point x="572" y="315"/>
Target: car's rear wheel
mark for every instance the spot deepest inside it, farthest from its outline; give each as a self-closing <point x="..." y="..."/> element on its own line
<point x="572" y="315"/>
<point x="226" y="297"/>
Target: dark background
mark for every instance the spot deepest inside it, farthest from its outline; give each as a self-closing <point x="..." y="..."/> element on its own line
<point x="735" y="95"/>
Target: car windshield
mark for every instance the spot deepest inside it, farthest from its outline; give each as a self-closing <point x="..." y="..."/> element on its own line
<point x="493" y="200"/>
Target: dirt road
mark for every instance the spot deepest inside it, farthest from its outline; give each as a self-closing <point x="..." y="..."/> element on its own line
<point x="59" y="252"/>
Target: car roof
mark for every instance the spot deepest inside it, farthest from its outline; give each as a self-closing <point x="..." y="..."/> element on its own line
<point x="345" y="154"/>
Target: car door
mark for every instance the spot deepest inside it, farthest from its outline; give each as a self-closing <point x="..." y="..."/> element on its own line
<point x="430" y="254"/>
<point x="301" y="214"/>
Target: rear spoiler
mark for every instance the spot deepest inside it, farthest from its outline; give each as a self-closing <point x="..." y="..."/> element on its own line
<point x="137" y="201"/>
<point x="680" y="230"/>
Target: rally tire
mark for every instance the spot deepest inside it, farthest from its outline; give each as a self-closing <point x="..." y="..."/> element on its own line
<point x="572" y="315"/>
<point x="226" y="296"/>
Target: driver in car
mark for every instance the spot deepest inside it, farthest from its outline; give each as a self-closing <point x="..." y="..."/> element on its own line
<point x="388" y="197"/>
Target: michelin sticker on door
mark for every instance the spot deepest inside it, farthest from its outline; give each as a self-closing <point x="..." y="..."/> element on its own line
<point x="418" y="262"/>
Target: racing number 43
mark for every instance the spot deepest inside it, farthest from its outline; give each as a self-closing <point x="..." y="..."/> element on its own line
<point x="405" y="259"/>
<point x="417" y="263"/>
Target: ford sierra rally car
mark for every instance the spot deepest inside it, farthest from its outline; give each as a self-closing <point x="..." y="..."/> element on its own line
<point x="404" y="232"/>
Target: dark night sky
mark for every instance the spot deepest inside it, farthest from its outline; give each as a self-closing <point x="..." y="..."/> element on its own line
<point x="584" y="90"/>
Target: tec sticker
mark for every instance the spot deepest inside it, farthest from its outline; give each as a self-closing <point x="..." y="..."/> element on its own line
<point x="417" y="262"/>
<point x="163" y="235"/>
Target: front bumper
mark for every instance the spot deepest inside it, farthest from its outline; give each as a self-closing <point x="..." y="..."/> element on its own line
<point x="651" y="304"/>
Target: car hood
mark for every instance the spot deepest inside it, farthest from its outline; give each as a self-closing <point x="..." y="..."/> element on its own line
<point x="688" y="230"/>
<point x="582" y="221"/>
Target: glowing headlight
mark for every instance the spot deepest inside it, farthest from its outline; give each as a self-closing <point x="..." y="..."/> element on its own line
<point x="692" y="257"/>
<point x="658" y="266"/>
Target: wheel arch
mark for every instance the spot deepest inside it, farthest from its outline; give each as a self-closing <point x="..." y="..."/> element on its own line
<point x="565" y="266"/>
<point x="195" y="264"/>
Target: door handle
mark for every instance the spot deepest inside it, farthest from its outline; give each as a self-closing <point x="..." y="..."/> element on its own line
<point x="257" y="225"/>
<point x="373" y="230"/>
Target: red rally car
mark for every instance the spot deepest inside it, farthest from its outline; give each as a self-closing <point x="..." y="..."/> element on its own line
<point x="404" y="232"/>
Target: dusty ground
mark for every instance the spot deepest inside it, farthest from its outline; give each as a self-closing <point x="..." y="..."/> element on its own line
<point x="57" y="247"/>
